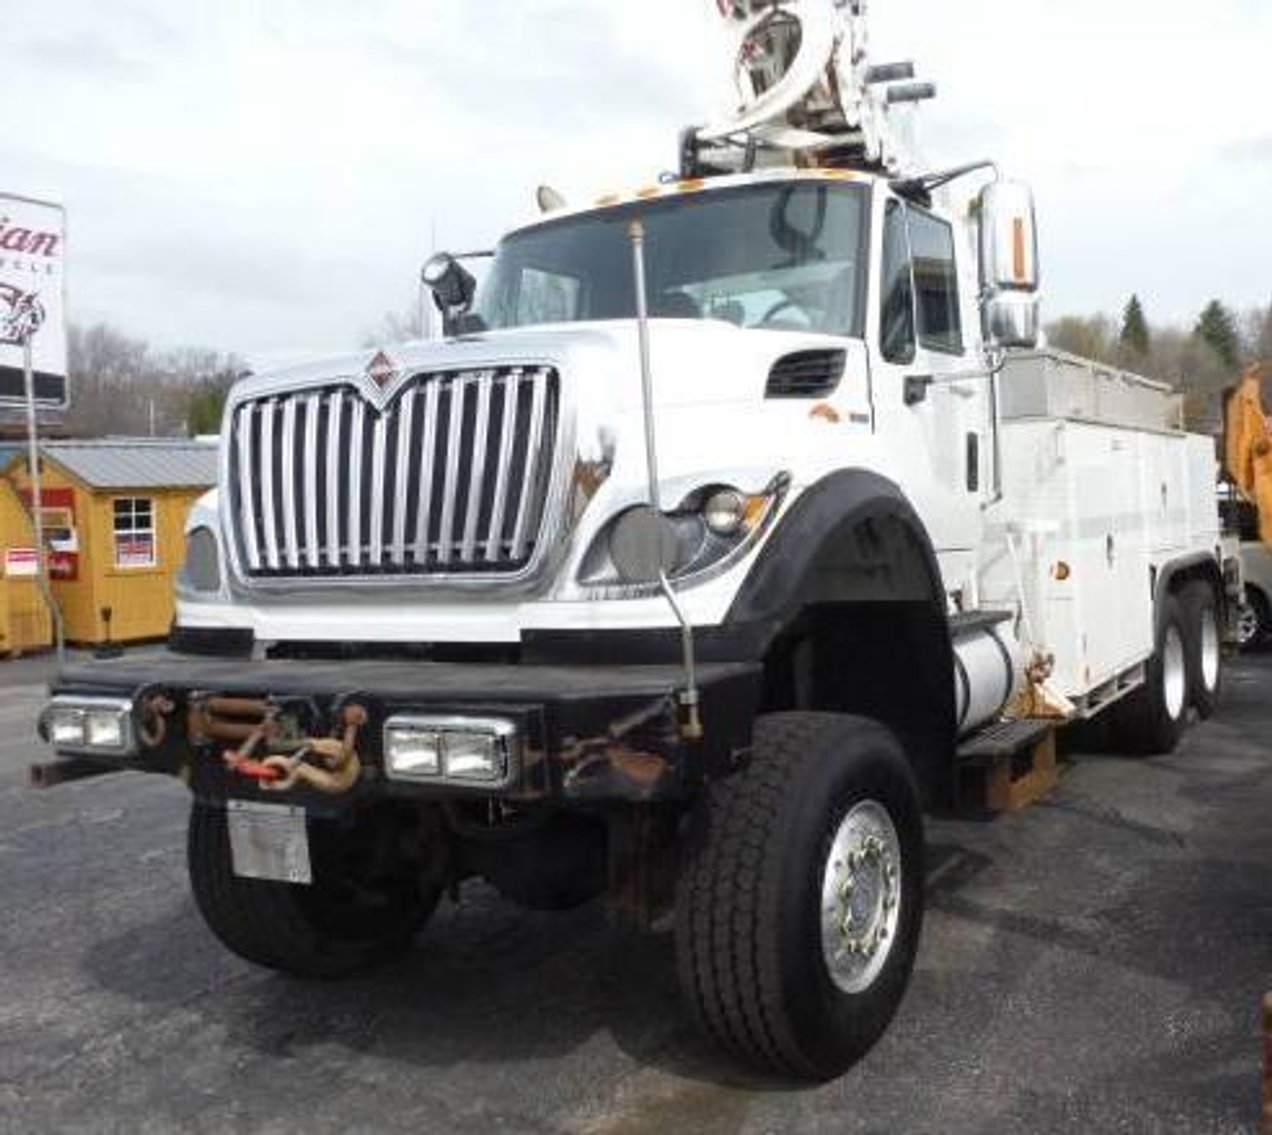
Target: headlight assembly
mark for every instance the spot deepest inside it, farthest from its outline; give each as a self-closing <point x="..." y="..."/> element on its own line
<point x="704" y="535"/>
<point x="201" y="571"/>
<point x="89" y="725"/>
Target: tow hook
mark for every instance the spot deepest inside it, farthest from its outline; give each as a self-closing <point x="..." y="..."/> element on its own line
<point x="328" y="764"/>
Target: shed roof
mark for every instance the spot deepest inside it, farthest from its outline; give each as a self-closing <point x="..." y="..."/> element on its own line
<point x="137" y="463"/>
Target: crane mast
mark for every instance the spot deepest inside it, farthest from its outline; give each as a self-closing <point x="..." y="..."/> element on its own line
<point x="808" y="93"/>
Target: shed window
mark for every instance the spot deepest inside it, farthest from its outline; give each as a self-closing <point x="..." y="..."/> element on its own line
<point x="134" y="532"/>
<point x="59" y="525"/>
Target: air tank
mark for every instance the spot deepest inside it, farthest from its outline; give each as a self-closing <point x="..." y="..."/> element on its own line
<point x="988" y="669"/>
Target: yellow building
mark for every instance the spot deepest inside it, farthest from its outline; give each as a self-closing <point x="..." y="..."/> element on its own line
<point x="114" y="522"/>
<point x="24" y="619"/>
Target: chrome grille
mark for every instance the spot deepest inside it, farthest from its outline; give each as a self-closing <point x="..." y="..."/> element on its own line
<point x="451" y="478"/>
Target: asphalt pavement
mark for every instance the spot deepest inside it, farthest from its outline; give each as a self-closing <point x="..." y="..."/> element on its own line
<point x="1094" y="964"/>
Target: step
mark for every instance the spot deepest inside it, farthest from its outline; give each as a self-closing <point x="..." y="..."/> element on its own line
<point x="1007" y="767"/>
<point x="1004" y="739"/>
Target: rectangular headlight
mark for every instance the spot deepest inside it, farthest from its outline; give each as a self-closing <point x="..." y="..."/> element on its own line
<point x="95" y="726"/>
<point x="410" y="750"/>
<point x="477" y="751"/>
<point x="475" y="756"/>
<point x="64" y="725"/>
<point x="103" y="729"/>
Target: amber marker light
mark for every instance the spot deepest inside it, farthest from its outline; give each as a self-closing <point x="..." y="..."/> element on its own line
<point x="1018" y="247"/>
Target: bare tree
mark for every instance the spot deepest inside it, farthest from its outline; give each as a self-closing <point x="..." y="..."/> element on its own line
<point x="1256" y="334"/>
<point x="119" y="386"/>
<point x="1091" y="336"/>
<point x="397" y="327"/>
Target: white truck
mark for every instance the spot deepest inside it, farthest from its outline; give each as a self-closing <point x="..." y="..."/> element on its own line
<point x="681" y="570"/>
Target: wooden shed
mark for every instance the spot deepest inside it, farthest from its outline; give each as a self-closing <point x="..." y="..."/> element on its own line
<point x="24" y="619"/>
<point x="114" y="520"/>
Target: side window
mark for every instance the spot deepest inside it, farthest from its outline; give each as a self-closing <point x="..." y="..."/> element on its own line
<point x="896" y="323"/>
<point x="936" y="283"/>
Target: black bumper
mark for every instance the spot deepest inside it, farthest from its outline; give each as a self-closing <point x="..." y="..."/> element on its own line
<point x="590" y="733"/>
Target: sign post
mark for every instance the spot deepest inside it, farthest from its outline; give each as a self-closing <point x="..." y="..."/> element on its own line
<point x="37" y="499"/>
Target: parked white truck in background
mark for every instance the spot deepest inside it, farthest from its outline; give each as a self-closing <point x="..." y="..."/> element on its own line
<point x="679" y="571"/>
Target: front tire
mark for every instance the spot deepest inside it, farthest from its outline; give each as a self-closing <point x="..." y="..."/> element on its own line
<point x="800" y="896"/>
<point x="365" y="902"/>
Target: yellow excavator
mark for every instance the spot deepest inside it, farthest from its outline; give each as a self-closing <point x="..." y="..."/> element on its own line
<point x="1248" y="443"/>
<point x="1248" y="465"/>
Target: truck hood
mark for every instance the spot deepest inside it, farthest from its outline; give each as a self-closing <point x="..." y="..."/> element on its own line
<point x="693" y="362"/>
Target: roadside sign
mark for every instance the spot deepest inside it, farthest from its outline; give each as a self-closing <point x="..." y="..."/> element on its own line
<point x="21" y="563"/>
<point x="32" y="299"/>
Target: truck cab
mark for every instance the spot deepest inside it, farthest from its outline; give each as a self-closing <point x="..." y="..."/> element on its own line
<point x="801" y="323"/>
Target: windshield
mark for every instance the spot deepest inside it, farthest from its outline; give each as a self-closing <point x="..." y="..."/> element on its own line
<point x="785" y="256"/>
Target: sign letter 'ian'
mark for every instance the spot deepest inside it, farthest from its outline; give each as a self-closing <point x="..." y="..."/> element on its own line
<point x="32" y="299"/>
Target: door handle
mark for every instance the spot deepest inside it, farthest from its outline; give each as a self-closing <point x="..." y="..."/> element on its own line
<point x="916" y="388"/>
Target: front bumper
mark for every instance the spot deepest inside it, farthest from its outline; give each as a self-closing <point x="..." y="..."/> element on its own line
<point x="585" y="734"/>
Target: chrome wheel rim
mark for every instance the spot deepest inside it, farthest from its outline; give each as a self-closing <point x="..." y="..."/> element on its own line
<point x="1174" y="675"/>
<point x="1247" y="624"/>
<point x="861" y="897"/>
<point x="1210" y="650"/>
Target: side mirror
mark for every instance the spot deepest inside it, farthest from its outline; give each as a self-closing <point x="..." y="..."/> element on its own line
<point x="453" y="288"/>
<point x="1011" y="320"/>
<point x="1009" y="273"/>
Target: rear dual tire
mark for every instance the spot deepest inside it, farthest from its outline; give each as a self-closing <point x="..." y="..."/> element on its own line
<point x="1203" y="641"/>
<point x="1186" y="668"/>
<point x="1151" y="719"/>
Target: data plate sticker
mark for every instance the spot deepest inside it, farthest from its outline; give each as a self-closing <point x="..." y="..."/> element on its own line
<point x="269" y="841"/>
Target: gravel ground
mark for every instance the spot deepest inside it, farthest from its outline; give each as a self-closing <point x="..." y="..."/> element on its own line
<point x="1092" y="965"/>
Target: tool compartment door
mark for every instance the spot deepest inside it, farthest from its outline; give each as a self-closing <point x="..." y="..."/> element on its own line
<point x="1109" y="574"/>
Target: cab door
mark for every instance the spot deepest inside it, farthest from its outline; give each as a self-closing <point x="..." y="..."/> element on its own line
<point x="932" y="397"/>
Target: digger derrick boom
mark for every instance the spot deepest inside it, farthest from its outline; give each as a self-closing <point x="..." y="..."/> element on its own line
<point x="808" y="93"/>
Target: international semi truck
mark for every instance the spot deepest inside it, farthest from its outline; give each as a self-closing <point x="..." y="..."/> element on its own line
<point x="679" y="570"/>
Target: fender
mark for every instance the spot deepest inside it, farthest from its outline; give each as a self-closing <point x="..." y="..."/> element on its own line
<point x="845" y="608"/>
<point x="851" y="537"/>
<point x="1193" y="565"/>
<point x="848" y="599"/>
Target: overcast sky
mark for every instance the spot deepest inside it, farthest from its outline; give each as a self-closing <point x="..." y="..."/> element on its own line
<point x="265" y="176"/>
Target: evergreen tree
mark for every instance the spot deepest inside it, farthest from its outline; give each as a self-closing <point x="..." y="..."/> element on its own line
<point x="1217" y="327"/>
<point x="207" y="404"/>
<point x="1134" y="337"/>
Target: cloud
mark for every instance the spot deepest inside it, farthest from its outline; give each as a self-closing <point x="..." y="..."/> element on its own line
<point x="256" y="177"/>
<point x="81" y="55"/>
<point x="1255" y="151"/>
